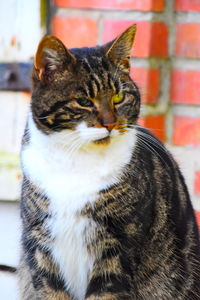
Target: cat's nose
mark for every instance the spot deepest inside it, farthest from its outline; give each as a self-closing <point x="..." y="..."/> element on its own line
<point x="107" y="119"/>
<point x="109" y="126"/>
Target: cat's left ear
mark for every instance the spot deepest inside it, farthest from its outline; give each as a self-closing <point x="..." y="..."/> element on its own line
<point x="119" y="50"/>
<point x="51" y="54"/>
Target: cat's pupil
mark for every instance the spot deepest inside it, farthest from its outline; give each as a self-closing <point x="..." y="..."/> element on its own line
<point x="84" y="102"/>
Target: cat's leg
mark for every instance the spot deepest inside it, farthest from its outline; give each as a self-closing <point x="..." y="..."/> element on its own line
<point x="39" y="278"/>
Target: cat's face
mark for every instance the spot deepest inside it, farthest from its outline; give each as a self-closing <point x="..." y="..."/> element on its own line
<point x="87" y="91"/>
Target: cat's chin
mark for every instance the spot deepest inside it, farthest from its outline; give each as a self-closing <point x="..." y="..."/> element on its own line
<point x="103" y="141"/>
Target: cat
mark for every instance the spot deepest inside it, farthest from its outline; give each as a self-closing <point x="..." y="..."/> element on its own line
<point x="105" y="211"/>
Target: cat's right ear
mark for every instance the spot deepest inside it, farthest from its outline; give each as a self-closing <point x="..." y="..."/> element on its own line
<point x="50" y="55"/>
<point x="119" y="50"/>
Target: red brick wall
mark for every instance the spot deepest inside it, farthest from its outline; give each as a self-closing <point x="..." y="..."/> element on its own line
<point x="165" y="61"/>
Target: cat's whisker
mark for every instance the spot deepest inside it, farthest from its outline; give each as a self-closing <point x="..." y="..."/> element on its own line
<point x="149" y="128"/>
<point x="91" y="129"/>
<point x="149" y="137"/>
<point x="152" y="140"/>
<point x="66" y="142"/>
<point x="148" y="146"/>
<point x="131" y="125"/>
<point x="91" y="135"/>
<point x="72" y="142"/>
<point x="76" y="146"/>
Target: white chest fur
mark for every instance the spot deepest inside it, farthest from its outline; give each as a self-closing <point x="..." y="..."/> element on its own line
<point x="70" y="181"/>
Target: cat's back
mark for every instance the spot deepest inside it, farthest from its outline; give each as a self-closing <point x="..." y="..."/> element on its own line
<point x="172" y="249"/>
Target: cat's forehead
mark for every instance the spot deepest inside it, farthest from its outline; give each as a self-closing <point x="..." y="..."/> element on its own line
<point x="91" y="59"/>
<point x="87" y="52"/>
<point x="92" y="74"/>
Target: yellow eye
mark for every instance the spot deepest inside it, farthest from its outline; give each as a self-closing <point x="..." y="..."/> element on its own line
<point x="118" y="98"/>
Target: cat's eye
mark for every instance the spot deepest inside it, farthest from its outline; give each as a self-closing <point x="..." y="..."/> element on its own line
<point x="118" y="98"/>
<point x="84" y="102"/>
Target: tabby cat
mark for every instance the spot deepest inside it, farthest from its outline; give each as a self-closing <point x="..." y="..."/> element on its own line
<point x="105" y="210"/>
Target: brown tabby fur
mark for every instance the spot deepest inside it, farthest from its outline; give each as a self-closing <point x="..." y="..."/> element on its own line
<point x="146" y="243"/>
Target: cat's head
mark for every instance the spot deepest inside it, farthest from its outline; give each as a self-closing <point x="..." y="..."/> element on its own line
<point x="87" y="91"/>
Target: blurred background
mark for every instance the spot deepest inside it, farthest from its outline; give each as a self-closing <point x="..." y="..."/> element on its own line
<point x="165" y="65"/>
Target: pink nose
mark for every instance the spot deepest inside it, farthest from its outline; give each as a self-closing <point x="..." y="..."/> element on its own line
<point x="109" y="126"/>
<point x="107" y="119"/>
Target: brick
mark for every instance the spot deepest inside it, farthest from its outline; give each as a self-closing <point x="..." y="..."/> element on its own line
<point x="143" y="5"/>
<point x="151" y="38"/>
<point x="197" y="214"/>
<point x="188" y="40"/>
<point x="156" y="124"/>
<point x="185" y="87"/>
<point x="148" y="82"/>
<point x="186" y="131"/>
<point x="197" y="184"/>
<point x="75" y="32"/>
<point x="187" y="5"/>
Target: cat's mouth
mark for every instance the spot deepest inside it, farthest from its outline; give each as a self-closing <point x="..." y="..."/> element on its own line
<point x="96" y="136"/>
<point x="107" y="139"/>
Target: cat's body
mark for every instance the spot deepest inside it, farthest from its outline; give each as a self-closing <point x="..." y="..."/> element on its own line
<point x="72" y="182"/>
<point x="106" y="213"/>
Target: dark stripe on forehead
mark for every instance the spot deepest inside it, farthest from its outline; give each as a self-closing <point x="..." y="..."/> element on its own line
<point x="83" y="91"/>
<point x="97" y="83"/>
<point x="86" y="65"/>
<point x="91" y="89"/>
<point x="105" y="64"/>
<point x="110" y="81"/>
